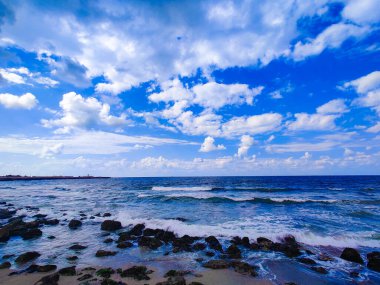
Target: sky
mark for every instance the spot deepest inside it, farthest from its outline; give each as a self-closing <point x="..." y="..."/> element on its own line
<point x="188" y="88"/>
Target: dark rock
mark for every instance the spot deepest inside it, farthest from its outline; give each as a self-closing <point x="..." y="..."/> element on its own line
<point x="108" y="240"/>
<point x="234" y="252"/>
<point x="4" y="235"/>
<point x="51" y="222"/>
<point x="40" y="216"/>
<point x="107" y="215"/>
<point x="51" y="237"/>
<point x="165" y="236"/>
<point x="374" y="261"/>
<point x="245" y="242"/>
<point x="319" y="269"/>
<point x="6" y="256"/>
<point x="27" y="256"/>
<point x="151" y="232"/>
<point x="264" y="243"/>
<point x="30" y="234"/>
<point x="72" y="258"/>
<point x="199" y="246"/>
<point x="74" y="224"/>
<point x="105" y="272"/>
<point x="41" y="268"/>
<point x="110" y="225"/>
<point x="210" y="253"/>
<point x="124" y="244"/>
<point x="173" y="273"/>
<point x="5" y="264"/>
<point x="244" y="268"/>
<point x="85" y="277"/>
<point x="177" y="280"/>
<point x="150" y="242"/>
<point x="102" y="253"/>
<point x="136" y="272"/>
<point x="68" y="271"/>
<point x="137" y="230"/>
<point x="214" y="243"/>
<point x="354" y="274"/>
<point x="49" y="280"/>
<point x="77" y="247"/>
<point x="351" y="254"/>
<point x="216" y="264"/>
<point x="324" y="257"/>
<point x="124" y="236"/>
<point x="6" y="214"/>
<point x="306" y="260"/>
<point x="236" y="240"/>
<point x="108" y="281"/>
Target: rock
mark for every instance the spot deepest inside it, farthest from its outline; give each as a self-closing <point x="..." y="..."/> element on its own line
<point x="4" y="235"/>
<point x="165" y="236"/>
<point x="306" y="260"/>
<point x="111" y="282"/>
<point x="150" y="242"/>
<point x="173" y="273"/>
<point x="30" y="234"/>
<point x="214" y="243"/>
<point x="40" y="216"/>
<point x="319" y="269"/>
<point x="74" y="224"/>
<point x="51" y="237"/>
<point x="136" y="272"/>
<point x="102" y="253"/>
<point x="245" y="242"/>
<point x="6" y="214"/>
<point x="351" y="254"/>
<point x="108" y="240"/>
<point x="27" y="256"/>
<point x="324" y="257"/>
<point x="6" y="256"/>
<point x="210" y="253"/>
<point x="264" y="243"/>
<point x="137" y="230"/>
<point x="49" y="280"/>
<point x="216" y="264"/>
<point x="5" y="264"/>
<point x="151" y="232"/>
<point x="199" y="246"/>
<point x="41" y="268"/>
<point x="72" y="258"/>
<point x="244" y="268"/>
<point x="105" y="272"/>
<point x="124" y="236"/>
<point x="124" y="244"/>
<point x="110" y="225"/>
<point x="51" y="222"/>
<point x="68" y="271"/>
<point x="77" y="247"/>
<point x="354" y="274"/>
<point x="107" y="215"/>
<point x="176" y="280"/>
<point x="234" y="252"/>
<point x="374" y="261"/>
<point x="84" y="277"/>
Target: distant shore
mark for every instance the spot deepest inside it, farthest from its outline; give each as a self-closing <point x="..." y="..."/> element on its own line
<point x="19" y="177"/>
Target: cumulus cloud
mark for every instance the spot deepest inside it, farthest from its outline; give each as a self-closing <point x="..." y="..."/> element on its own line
<point x="336" y="106"/>
<point x="245" y="144"/>
<point x="81" y="112"/>
<point x="209" y="145"/>
<point x="22" y="75"/>
<point x="364" y="11"/>
<point x="27" y="101"/>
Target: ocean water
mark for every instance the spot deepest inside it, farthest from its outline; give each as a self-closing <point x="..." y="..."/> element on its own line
<point x="322" y="212"/>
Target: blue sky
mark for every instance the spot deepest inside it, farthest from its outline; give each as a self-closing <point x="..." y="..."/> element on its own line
<point x="166" y="88"/>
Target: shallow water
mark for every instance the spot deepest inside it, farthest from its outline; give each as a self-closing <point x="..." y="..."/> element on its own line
<point x="337" y="211"/>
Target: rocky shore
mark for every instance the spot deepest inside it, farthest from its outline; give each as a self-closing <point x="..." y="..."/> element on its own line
<point x="229" y="258"/>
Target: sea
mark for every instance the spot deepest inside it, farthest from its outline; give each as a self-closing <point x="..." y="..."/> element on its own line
<point x="325" y="213"/>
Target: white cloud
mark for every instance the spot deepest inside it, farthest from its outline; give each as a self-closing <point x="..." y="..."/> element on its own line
<point x="375" y="128"/>
<point x="27" y="101"/>
<point x="209" y="145"/>
<point x="245" y="144"/>
<point x="363" y="11"/>
<point x="336" y="106"/>
<point x="51" y="151"/>
<point x="365" y="83"/>
<point x="332" y="37"/>
<point x="11" y="76"/>
<point x="22" y="75"/>
<point x="301" y="147"/>
<point x="81" y="112"/>
<point x="276" y="94"/>
<point x="308" y="122"/>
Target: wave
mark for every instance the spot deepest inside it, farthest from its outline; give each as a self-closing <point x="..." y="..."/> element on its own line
<point x="181" y="188"/>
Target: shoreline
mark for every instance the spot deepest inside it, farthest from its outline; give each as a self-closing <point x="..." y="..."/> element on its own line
<point x="28" y="178"/>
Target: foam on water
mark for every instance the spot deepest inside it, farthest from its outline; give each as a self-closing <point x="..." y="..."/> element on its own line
<point x="181" y="188"/>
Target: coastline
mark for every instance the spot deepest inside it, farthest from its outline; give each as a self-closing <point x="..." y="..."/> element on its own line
<point x="30" y="178"/>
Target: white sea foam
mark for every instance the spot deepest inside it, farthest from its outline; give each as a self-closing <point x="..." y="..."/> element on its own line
<point x="180" y="188"/>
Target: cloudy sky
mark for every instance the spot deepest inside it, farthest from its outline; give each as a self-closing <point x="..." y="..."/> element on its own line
<point x="161" y="88"/>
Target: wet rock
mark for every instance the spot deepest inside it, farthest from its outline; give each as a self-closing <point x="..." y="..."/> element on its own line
<point x="49" y="280"/>
<point x="68" y="271"/>
<point x="324" y="257"/>
<point x="137" y="230"/>
<point x="110" y="225"/>
<point x="216" y="264"/>
<point x="319" y="269"/>
<point x="234" y="252"/>
<point x="199" y="246"/>
<point x="27" y="256"/>
<point x="72" y="258"/>
<point x="173" y="273"/>
<point x="177" y="280"/>
<point x="306" y="260"/>
<point x="51" y="237"/>
<point x="5" y="264"/>
<point x="51" y="222"/>
<point x="102" y="253"/>
<point x="151" y="232"/>
<point x="41" y="268"/>
<point x="150" y="242"/>
<point x="137" y="272"/>
<point x="77" y="247"/>
<point x="351" y="254"/>
<point x="107" y="215"/>
<point x="40" y="216"/>
<point x="264" y="243"/>
<point x="374" y="261"/>
<point x="4" y="235"/>
<point x="6" y="214"/>
<point x="210" y="253"/>
<point x="245" y="242"/>
<point x="124" y="244"/>
<point x="165" y="236"/>
<point x="244" y="268"/>
<point x="105" y="272"/>
<point x="214" y="243"/>
<point x="6" y="256"/>
<point x="124" y="236"/>
<point x="31" y="234"/>
<point x="85" y="277"/>
<point x="236" y="240"/>
<point x="74" y="224"/>
<point x="108" y="240"/>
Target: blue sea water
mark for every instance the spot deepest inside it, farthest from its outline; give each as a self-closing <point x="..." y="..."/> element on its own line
<point x="323" y="212"/>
